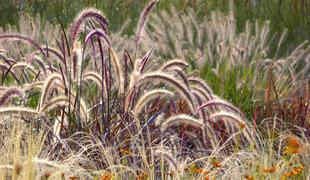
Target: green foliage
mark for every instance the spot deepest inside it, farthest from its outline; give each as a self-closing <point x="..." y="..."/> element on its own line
<point x="9" y="12"/>
<point x="290" y="14"/>
<point x="225" y="83"/>
<point x="33" y="100"/>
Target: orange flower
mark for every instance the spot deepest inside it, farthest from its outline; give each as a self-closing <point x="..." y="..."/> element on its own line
<point x="296" y="171"/>
<point x="73" y="177"/>
<point x="248" y="177"/>
<point x="125" y="151"/>
<point x="293" y="145"/>
<point x="293" y="141"/>
<point x="208" y="178"/>
<point x="143" y="175"/>
<point x="290" y="151"/>
<point x="106" y="176"/>
<point x="242" y="125"/>
<point x="299" y="168"/>
<point x="216" y="164"/>
<point x="201" y="171"/>
<point x="269" y="170"/>
<point x="288" y="174"/>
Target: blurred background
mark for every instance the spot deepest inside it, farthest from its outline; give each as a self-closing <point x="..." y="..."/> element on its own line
<point x="291" y="14"/>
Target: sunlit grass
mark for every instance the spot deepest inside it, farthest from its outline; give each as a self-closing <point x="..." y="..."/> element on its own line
<point x="90" y="103"/>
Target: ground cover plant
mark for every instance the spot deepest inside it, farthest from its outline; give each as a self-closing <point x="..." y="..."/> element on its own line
<point x="88" y="103"/>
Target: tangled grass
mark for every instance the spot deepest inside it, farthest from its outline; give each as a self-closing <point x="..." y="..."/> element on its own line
<point x="91" y="104"/>
<point x="112" y="112"/>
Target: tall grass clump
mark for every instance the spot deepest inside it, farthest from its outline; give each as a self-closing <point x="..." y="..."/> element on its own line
<point x="247" y="67"/>
<point x="113" y="111"/>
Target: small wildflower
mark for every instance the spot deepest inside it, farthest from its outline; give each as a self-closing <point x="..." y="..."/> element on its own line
<point x="208" y="178"/>
<point x="242" y="125"/>
<point x="293" y="145"/>
<point x="287" y="174"/>
<point x="73" y="177"/>
<point x="106" y="176"/>
<point x="290" y="151"/>
<point x="269" y="170"/>
<point x="125" y="151"/>
<point x="300" y="168"/>
<point x="143" y="175"/>
<point x="216" y="164"/>
<point x="201" y="171"/>
<point x="295" y="171"/>
<point x="248" y="177"/>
